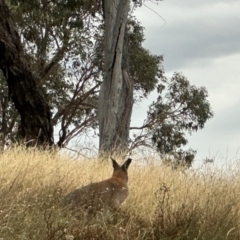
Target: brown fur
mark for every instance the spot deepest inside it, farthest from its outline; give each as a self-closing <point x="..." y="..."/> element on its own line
<point x="108" y="193"/>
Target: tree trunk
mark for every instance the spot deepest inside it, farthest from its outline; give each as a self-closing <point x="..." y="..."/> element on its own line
<point x="116" y="93"/>
<point x="36" y="127"/>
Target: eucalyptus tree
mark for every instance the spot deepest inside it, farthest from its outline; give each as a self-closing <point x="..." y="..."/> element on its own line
<point x="183" y="107"/>
<point x="61" y="44"/>
<point x="116" y="94"/>
<point x="179" y="108"/>
<point x="64" y="44"/>
<point x="35" y="115"/>
<point x="74" y="48"/>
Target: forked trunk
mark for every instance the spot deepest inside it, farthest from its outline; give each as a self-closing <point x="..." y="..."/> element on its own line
<point x="116" y="94"/>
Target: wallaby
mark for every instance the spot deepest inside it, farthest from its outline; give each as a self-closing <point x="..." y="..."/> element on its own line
<point x="111" y="192"/>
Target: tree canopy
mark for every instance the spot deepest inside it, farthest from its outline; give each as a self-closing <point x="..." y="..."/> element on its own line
<point x="64" y="43"/>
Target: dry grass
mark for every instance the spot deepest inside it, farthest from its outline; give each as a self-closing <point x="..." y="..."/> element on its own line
<point x="163" y="203"/>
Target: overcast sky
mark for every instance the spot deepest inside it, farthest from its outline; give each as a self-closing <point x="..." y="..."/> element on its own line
<point x="201" y="39"/>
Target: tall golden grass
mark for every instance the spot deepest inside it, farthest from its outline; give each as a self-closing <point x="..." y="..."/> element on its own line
<point x="163" y="203"/>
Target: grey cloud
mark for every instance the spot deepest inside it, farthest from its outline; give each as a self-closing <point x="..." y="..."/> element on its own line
<point x="189" y="38"/>
<point x="202" y="40"/>
<point x="192" y="3"/>
<point x="227" y="120"/>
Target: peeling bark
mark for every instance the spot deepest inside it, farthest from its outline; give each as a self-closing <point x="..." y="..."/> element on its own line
<point x="116" y="93"/>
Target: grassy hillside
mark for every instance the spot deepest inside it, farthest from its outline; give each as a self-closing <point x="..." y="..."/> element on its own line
<point x="163" y="203"/>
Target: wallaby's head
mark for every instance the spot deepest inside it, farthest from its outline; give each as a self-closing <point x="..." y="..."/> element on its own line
<point x="120" y="172"/>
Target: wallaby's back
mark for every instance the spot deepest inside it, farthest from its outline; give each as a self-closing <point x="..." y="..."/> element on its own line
<point x="108" y="193"/>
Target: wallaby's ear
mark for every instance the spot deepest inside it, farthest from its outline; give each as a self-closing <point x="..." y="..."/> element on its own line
<point x="126" y="164"/>
<point x="115" y="164"/>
